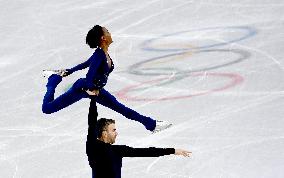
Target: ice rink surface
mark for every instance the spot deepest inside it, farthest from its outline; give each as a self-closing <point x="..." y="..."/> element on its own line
<point x="214" y="68"/>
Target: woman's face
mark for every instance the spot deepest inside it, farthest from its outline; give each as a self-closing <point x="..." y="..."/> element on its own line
<point x="107" y="36"/>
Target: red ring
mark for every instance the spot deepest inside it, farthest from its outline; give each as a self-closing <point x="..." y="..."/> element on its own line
<point x="235" y="80"/>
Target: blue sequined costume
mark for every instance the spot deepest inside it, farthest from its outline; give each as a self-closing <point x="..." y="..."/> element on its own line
<point x="96" y="78"/>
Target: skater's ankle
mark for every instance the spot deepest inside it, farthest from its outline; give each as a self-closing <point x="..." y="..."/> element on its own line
<point x="54" y="80"/>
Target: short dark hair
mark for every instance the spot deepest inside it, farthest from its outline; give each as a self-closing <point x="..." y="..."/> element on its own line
<point x="93" y="38"/>
<point x="102" y="124"/>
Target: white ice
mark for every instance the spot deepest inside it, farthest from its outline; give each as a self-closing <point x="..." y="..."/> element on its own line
<point x="214" y="68"/>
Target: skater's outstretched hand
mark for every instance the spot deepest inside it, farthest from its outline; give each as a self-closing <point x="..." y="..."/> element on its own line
<point x="183" y="152"/>
<point x="93" y="92"/>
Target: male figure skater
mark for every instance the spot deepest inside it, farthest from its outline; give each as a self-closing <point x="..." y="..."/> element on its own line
<point x="105" y="158"/>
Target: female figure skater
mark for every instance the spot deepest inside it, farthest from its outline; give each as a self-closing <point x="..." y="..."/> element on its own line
<point x="100" y="66"/>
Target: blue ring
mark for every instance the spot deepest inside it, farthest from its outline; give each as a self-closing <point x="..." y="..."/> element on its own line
<point x="250" y="32"/>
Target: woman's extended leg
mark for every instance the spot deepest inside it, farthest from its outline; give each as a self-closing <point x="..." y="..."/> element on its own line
<point x="106" y="99"/>
<point x="51" y="105"/>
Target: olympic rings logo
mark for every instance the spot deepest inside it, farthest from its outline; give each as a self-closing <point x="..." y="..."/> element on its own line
<point x="170" y="68"/>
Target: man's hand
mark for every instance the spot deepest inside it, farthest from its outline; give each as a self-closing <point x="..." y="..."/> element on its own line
<point x="93" y="92"/>
<point x="183" y="152"/>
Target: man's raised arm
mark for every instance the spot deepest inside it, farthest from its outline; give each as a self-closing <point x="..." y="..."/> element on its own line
<point x="92" y="120"/>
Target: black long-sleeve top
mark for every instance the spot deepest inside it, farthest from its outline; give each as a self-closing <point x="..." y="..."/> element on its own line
<point x="106" y="159"/>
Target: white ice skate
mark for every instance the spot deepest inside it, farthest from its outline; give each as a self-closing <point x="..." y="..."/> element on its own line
<point x="161" y="125"/>
<point x="48" y="73"/>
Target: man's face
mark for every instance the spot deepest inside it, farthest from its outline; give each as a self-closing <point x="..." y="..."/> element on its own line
<point x="111" y="133"/>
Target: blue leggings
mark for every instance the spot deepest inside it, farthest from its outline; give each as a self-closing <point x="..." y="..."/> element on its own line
<point x="75" y="93"/>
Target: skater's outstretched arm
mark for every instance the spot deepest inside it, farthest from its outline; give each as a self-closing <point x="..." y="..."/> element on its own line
<point x="81" y="66"/>
<point x="126" y="151"/>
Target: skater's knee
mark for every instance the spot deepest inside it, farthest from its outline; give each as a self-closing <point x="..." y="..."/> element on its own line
<point x="46" y="110"/>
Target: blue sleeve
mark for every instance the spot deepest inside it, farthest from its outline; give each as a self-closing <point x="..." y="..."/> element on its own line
<point x="95" y="62"/>
<point x="81" y="66"/>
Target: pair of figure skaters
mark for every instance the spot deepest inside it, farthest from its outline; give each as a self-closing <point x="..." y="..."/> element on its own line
<point x="104" y="158"/>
